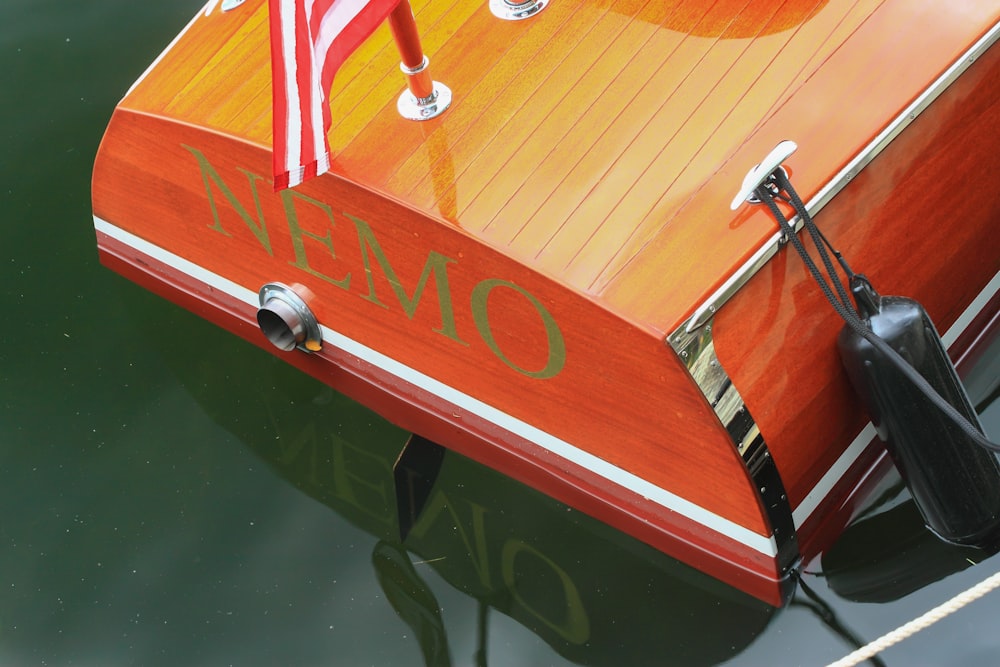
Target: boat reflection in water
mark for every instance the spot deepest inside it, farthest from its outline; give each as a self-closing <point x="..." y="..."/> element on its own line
<point x="592" y="593"/>
<point x="887" y="552"/>
<point x="595" y="595"/>
<point x="890" y="553"/>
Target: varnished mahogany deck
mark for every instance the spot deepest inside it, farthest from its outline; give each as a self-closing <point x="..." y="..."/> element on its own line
<point x="594" y="142"/>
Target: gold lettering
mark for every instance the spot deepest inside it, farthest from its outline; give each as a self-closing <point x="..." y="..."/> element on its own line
<point x="298" y="245"/>
<point x="480" y="313"/>
<point x="367" y="489"/>
<point x="475" y="547"/>
<point x="436" y="263"/>
<point x="258" y="226"/>
<point x="575" y="626"/>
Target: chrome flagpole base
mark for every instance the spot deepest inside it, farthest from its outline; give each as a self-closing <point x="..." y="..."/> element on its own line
<point x="423" y="99"/>
<point x="509" y="10"/>
<point x="412" y="107"/>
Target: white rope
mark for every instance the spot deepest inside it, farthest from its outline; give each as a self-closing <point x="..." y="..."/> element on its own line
<point x="918" y="624"/>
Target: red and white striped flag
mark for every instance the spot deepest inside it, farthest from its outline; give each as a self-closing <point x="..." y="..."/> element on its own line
<point x="310" y="39"/>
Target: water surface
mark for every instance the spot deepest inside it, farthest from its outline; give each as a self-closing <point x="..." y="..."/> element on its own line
<point x="174" y="496"/>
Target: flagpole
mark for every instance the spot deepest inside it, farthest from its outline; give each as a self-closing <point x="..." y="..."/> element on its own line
<point x="425" y="98"/>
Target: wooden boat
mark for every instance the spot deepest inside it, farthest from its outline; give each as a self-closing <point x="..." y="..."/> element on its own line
<point x="548" y="277"/>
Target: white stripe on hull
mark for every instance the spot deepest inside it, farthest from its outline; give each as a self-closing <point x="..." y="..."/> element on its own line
<point x="517" y="427"/>
<point x="557" y="446"/>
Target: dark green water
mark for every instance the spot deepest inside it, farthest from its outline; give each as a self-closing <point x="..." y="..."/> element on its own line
<point x="173" y="496"/>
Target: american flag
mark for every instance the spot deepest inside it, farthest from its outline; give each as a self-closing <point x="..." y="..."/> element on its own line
<point x="310" y="39"/>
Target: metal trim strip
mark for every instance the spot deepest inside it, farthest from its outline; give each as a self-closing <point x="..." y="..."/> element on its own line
<point x="696" y="349"/>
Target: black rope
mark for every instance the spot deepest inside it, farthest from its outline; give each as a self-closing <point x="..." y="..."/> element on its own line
<point x="817" y="236"/>
<point x="843" y="305"/>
